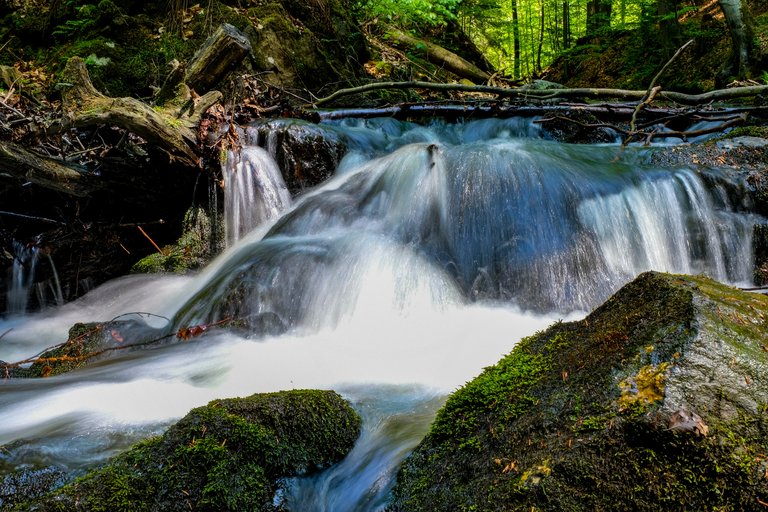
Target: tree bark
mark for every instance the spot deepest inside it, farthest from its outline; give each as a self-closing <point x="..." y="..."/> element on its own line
<point x="22" y="164"/>
<point x="171" y="129"/>
<point x="739" y="21"/>
<point x="439" y="55"/>
<point x="224" y="50"/>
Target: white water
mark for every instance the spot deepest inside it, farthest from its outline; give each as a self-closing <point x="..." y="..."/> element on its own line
<point x="428" y="256"/>
<point x="254" y="191"/>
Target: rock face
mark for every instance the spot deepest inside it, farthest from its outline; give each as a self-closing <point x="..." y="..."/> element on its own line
<point x="228" y="455"/>
<point x="656" y="401"/>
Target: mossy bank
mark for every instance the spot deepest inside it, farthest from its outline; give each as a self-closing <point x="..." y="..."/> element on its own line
<point x="228" y="455"/>
<point x="656" y="401"/>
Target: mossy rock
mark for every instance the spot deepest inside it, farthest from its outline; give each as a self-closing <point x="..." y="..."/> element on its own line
<point x="194" y="249"/>
<point x="229" y="455"/>
<point x="656" y="401"/>
<point x="86" y="342"/>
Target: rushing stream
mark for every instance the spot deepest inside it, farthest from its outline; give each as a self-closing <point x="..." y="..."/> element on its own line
<point x="428" y="255"/>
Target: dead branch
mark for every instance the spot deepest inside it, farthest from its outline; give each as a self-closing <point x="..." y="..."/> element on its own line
<point x="551" y="94"/>
<point x="46" y="172"/>
<point x="184" y="334"/>
<point x="438" y="55"/>
<point x="653" y="89"/>
<point x="653" y="134"/>
<point x="171" y="128"/>
<point x="31" y="217"/>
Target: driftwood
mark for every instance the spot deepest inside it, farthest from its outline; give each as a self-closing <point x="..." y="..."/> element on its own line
<point x="553" y="94"/>
<point x="438" y="55"/>
<point x="46" y="172"/>
<point x="617" y="112"/>
<point x="172" y="128"/>
<point x="223" y="51"/>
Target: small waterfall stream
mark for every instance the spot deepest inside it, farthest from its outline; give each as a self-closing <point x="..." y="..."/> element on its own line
<point x="424" y="259"/>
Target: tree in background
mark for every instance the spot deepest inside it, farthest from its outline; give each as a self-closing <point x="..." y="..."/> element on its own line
<point x="739" y="21"/>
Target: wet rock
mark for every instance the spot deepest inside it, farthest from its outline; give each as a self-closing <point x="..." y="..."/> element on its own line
<point x="306" y="153"/>
<point x="27" y="484"/>
<point x="656" y="401"/>
<point x="229" y="455"/>
<point x="86" y="343"/>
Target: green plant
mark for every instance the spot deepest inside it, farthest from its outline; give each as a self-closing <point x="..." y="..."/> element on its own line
<point x="413" y="12"/>
<point x="84" y="19"/>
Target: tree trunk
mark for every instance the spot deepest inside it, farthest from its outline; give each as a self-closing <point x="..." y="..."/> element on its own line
<point x="598" y="15"/>
<point x="739" y="21"/>
<point x="566" y="25"/>
<point x="516" y="39"/>
<point x="439" y="55"/>
<point x="666" y="10"/>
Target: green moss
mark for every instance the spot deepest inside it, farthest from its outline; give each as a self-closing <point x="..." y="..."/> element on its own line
<point x="228" y="455"/>
<point x="191" y="251"/>
<point x="83" y="339"/>
<point x="579" y="417"/>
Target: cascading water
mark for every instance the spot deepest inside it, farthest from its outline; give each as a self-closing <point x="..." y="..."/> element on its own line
<point x="254" y="191"/>
<point x="428" y="255"/>
<point x="22" y="275"/>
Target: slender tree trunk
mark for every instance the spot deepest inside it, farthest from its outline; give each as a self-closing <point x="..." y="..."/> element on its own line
<point x="541" y="36"/>
<point x="740" y="26"/>
<point x="566" y="25"/>
<point x="598" y="15"/>
<point x="668" y="26"/>
<point x="516" y="37"/>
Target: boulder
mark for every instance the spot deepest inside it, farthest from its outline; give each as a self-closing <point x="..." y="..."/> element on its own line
<point x="655" y="401"/>
<point x="306" y="153"/>
<point x="228" y="455"/>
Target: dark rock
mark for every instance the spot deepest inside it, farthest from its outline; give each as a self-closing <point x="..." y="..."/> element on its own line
<point x="229" y="455"/>
<point x="306" y="153"/>
<point x="577" y="127"/>
<point x="656" y="401"/>
<point x="28" y="484"/>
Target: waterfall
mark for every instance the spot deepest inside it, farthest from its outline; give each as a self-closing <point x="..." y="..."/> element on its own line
<point x="425" y="258"/>
<point x="254" y="191"/>
<point x="22" y="275"/>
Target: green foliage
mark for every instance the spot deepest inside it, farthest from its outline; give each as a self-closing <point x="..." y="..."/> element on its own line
<point x="84" y="19"/>
<point x="409" y="12"/>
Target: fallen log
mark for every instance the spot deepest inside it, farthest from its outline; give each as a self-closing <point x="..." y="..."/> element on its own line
<point x="170" y="128"/>
<point x="438" y="55"/>
<point x="552" y="94"/>
<point x="22" y="164"/>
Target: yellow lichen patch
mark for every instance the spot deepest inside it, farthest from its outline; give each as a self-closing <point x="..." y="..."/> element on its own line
<point x="644" y="388"/>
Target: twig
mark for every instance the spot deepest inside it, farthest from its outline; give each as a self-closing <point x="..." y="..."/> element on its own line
<point x="653" y="90"/>
<point x="150" y="240"/>
<point x="30" y="217"/>
<point x="17" y="112"/>
<point x="184" y="334"/>
<point x="6" y="332"/>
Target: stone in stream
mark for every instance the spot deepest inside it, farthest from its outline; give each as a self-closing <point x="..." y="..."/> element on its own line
<point x="656" y="401"/>
<point x="231" y="454"/>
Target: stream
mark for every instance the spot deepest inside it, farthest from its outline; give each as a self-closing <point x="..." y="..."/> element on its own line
<point x="432" y="251"/>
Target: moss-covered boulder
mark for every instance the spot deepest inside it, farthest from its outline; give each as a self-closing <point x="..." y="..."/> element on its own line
<point x="86" y="342"/>
<point x="656" y="401"/>
<point x="228" y="455"/>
